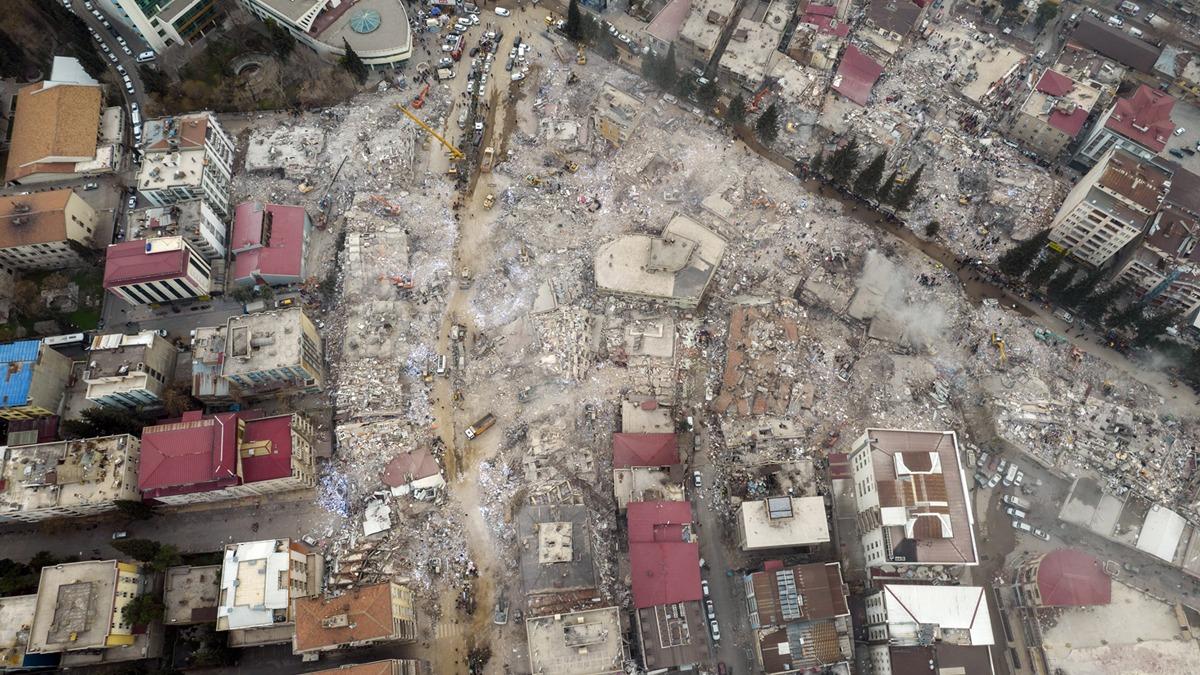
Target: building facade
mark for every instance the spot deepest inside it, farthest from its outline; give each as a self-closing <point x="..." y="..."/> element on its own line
<point x="902" y="616"/>
<point x="276" y="352"/>
<point x="68" y="479"/>
<point x="50" y="230"/>
<point x="260" y="580"/>
<point x="165" y="23"/>
<point x="1140" y="125"/>
<point x="1063" y="577"/>
<point x="1109" y="207"/>
<point x="616" y="115"/>
<point x="156" y="271"/>
<point x="366" y="615"/>
<point x="800" y="618"/>
<point x="187" y="157"/>
<point x="129" y="371"/>
<point x="1165" y="268"/>
<point x="377" y="30"/>
<point x="1054" y="113"/>
<point x="192" y="219"/>
<point x="36" y="380"/>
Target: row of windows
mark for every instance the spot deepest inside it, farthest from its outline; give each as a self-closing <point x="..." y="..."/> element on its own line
<point x="167" y="290"/>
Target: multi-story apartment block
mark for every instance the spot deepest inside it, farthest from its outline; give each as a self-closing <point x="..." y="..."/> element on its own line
<point x="260" y="580"/>
<point x="163" y="23"/>
<point x="912" y="499"/>
<point x="1054" y="113"/>
<point x="701" y="32"/>
<point x="192" y="219"/>
<point x="1109" y="207"/>
<point x="79" y="611"/>
<point x="616" y="114"/>
<point x="129" y="371"/>
<point x="270" y="244"/>
<point x="156" y="271"/>
<point x="377" y="30"/>
<point x="46" y="230"/>
<point x="187" y="157"/>
<point x="1139" y="125"/>
<point x="274" y="352"/>
<point x="800" y="617"/>
<point x="226" y="456"/>
<point x="948" y="626"/>
<point x="67" y="479"/>
<point x="208" y="356"/>
<point x="1165" y="268"/>
<point x="35" y="380"/>
<point x="366" y="615"/>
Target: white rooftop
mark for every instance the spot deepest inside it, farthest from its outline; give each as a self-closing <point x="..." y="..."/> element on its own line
<point x="251" y="586"/>
<point x="779" y="522"/>
<point x="1161" y="532"/>
<point x="959" y="612"/>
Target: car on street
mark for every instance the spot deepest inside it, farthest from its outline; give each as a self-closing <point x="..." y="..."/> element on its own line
<point x="131" y="204"/>
<point x="716" y="631"/>
<point x="696" y="478"/>
<point x="708" y="606"/>
<point x="500" y="11"/>
<point x="1066" y="316"/>
<point x="144" y="57"/>
<point x="90" y="186"/>
<point x="1022" y="526"/>
<point x="1015" y="512"/>
<point x="120" y="535"/>
<point x="1040" y="534"/>
<point x="517" y="77"/>
<point x="704" y="587"/>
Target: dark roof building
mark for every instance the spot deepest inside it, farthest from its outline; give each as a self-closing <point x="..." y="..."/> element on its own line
<point x="800" y="615"/>
<point x="1116" y="44"/>
<point x="269" y="243"/>
<point x="664" y="556"/>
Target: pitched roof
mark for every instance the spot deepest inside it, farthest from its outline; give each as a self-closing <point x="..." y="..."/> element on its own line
<point x="664" y="573"/>
<point x="193" y="455"/>
<point x="407" y="467"/>
<point x="1071" y="578"/>
<point x="856" y="75"/>
<point x="368" y="610"/>
<point x="898" y="16"/>
<point x="657" y="521"/>
<point x="1115" y="44"/>
<point x="268" y="240"/>
<point x="1144" y="117"/>
<point x="1055" y="83"/>
<point x="802" y="592"/>
<point x="36" y="218"/>
<point x="138" y="262"/>
<point x="272" y="437"/>
<point x="644" y="450"/>
<point x="61" y="121"/>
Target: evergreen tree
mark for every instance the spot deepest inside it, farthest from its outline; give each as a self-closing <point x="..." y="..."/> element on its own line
<point x="105" y="422"/>
<point x="1046" y="13"/>
<point x="353" y="64"/>
<point x="1123" y="318"/>
<point x="282" y="41"/>
<point x="573" y="29"/>
<point x="1095" y="306"/>
<point x="1060" y="283"/>
<point x="903" y="197"/>
<point x="1045" y="269"/>
<point x="884" y="193"/>
<point x="134" y="509"/>
<point x="1150" y="327"/>
<point x="736" y="113"/>
<point x="932" y="228"/>
<point x="1076" y="292"/>
<point x="650" y="67"/>
<point x="142" y="610"/>
<point x="767" y="125"/>
<point x="1016" y="260"/>
<point x="841" y="164"/>
<point x="667" y="74"/>
<point x="685" y="87"/>
<point x="142" y="550"/>
<point x="707" y="93"/>
<point x="867" y="183"/>
<point x="817" y="162"/>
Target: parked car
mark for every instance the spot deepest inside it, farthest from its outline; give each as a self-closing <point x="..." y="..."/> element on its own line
<point x="1022" y="526"/>
<point x="500" y="11"/>
<point x="704" y="587"/>
<point x="716" y="631"/>
<point x="1040" y="534"/>
<point x="131" y="204"/>
<point x="1066" y="316"/>
<point x="708" y="606"/>
<point x="1015" y="512"/>
<point x="120" y="535"/>
<point x="145" y="56"/>
<point x="90" y="186"/>
<point x="1013" y="500"/>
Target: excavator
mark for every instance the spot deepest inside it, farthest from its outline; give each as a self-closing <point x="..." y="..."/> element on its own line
<point x="568" y="164"/>
<point x="400" y="281"/>
<point x="391" y="208"/>
<point x="455" y="154"/>
<point x="999" y="343"/>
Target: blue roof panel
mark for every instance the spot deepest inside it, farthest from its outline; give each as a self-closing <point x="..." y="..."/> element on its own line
<point x="16" y="360"/>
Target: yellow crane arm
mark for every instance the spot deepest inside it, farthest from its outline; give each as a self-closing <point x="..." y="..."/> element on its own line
<point x="455" y="153"/>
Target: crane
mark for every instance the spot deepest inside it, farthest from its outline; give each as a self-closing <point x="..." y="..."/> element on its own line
<point x="455" y="153"/>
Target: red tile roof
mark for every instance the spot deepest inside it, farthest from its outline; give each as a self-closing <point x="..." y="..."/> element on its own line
<point x="657" y="521"/>
<point x="407" y="467"/>
<point x="1055" y="83"/>
<point x="1072" y="578"/>
<point x="277" y="460"/>
<point x="268" y="240"/>
<point x="664" y="573"/>
<point x="193" y="455"/>
<point x="1144" y="118"/>
<point x="856" y="76"/>
<point x="644" y="450"/>
<point x="128" y="263"/>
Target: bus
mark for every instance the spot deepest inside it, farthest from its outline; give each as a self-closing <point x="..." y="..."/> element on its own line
<point x="64" y="340"/>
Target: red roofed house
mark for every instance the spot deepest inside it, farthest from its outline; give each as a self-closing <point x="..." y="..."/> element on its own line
<point x="225" y="456"/>
<point x="644" y="450"/>
<point x="856" y="76"/>
<point x="1063" y="578"/>
<point x="1054" y="113"/>
<point x="155" y="271"/>
<point x="269" y="243"/>
<point x="1140" y="125"/>
<point x="664" y="561"/>
<point x="646" y="468"/>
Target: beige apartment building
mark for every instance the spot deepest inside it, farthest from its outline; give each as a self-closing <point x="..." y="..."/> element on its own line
<point x="366" y="615"/>
<point x="65" y="479"/>
<point x="129" y="371"/>
<point x="274" y="352"/>
<point x="1054" y="113"/>
<point x="46" y="230"/>
<point x="1109" y="207"/>
<point x="35" y="381"/>
<point x="616" y="115"/>
<point x="79" y="612"/>
<point x="701" y="32"/>
<point x="260" y="580"/>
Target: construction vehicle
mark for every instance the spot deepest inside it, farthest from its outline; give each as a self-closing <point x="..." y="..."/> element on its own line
<point x="400" y="281"/>
<point x="489" y="156"/>
<point x="477" y="429"/>
<point x="390" y="208"/>
<point x="419" y="101"/>
<point x="999" y="343"/>
<point x="305" y="188"/>
<point x="754" y="102"/>
<point x="455" y="153"/>
<point x="580" y="57"/>
<point x="567" y="163"/>
<point x="489" y="201"/>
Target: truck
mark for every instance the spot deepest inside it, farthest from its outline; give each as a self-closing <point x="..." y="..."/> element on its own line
<point x="484" y="423"/>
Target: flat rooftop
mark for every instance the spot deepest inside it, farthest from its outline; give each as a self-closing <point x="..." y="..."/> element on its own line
<point x="779" y="522"/>
<point x="703" y="25"/>
<point x="579" y="643"/>
<point x="74" y="606"/>
<point x="179" y="219"/>
<point x="68" y="474"/>
<point x="676" y="266"/>
<point x="752" y="45"/>
<point x="16" y="615"/>
<point x="673" y="635"/>
<point x="556" y="548"/>
<point x="263" y="340"/>
<point x="191" y="594"/>
<point x="254" y="585"/>
<point x="114" y="354"/>
<point x="391" y="32"/>
<point x="166" y="170"/>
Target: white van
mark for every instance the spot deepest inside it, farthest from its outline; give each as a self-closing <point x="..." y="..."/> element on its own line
<point x="1135" y="31"/>
<point x="145" y="56"/>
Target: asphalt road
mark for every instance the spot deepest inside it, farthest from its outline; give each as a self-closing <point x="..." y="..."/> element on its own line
<point x="134" y="43"/>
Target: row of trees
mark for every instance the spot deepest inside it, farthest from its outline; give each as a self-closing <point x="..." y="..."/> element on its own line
<point x="869" y="184"/>
<point x="1048" y="270"/>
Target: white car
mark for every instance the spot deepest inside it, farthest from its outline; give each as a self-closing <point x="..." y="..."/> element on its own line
<point x="145" y="56"/>
<point x="696" y="478"/>
<point x="704" y="587"/>
<point x="708" y="606"/>
<point x="1179" y="131"/>
<point x="716" y="632"/>
<point x="500" y="11"/>
<point x="517" y="77"/>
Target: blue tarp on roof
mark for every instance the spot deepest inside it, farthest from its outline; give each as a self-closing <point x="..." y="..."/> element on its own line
<point x="16" y="371"/>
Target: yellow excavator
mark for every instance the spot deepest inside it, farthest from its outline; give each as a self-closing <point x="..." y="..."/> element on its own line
<point x="568" y="164"/>
<point x="999" y="343"/>
<point x="455" y="153"/>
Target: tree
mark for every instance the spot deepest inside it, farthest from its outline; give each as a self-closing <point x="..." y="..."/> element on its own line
<point x="1046" y="13"/>
<point x="841" y="164"/>
<point x="27" y="299"/>
<point x="767" y="126"/>
<point x="1045" y="269"/>
<point x="105" y="422"/>
<point x="684" y="87"/>
<point x="665" y="72"/>
<point x="932" y="228"/>
<point x="1060" y="283"/>
<point x="55" y="281"/>
<point x="903" y="197"/>
<point x="707" y="93"/>
<point x="736" y="113"/>
<point x="142" y="550"/>
<point x="1016" y="260"/>
<point x="867" y="183"/>
<point x="1096" y="305"/>
<point x="1076" y="292"/>
<point x="353" y="64"/>
<point x="1010" y="6"/>
<point x="649" y="67"/>
<point x="885" y="191"/>
<point x="282" y="41"/>
<point x="1150" y="327"/>
<point x="574" y="26"/>
<point x="1124" y="318"/>
<point x="817" y="162"/>
<point x="134" y="509"/>
<point x="142" y="610"/>
<point x="167" y="556"/>
<point x="155" y="80"/>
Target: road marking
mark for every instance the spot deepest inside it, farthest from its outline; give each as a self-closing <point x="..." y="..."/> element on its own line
<point x="448" y="630"/>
